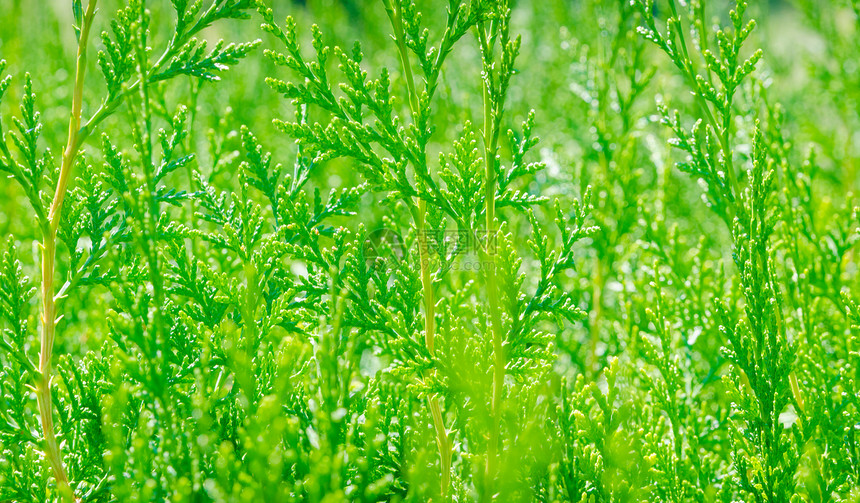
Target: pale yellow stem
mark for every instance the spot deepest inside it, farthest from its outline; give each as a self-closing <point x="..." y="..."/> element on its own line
<point x="49" y="250"/>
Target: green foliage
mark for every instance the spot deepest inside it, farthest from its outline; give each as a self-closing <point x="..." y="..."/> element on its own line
<point x="430" y="251"/>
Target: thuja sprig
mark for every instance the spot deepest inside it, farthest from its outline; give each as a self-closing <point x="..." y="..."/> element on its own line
<point x="419" y="212"/>
<point x="529" y="348"/>
<point x="123" y="58"/>
<point x="758" y="345"/>
<point x="350" y="134"/>
<point x="519" y="347"/>
<point x="819" y="241"/>
<point x="595" y="420"/>
<point x="714" y="79"/>
<point x="183" y="54"/>
<point x="361" y="123"/>
<point x="49" y="232"/>
<point x="616" y="75"/>
<point x="17" y="425"/>
<point x="680" y="468"/>
<point x="496" y="80"/>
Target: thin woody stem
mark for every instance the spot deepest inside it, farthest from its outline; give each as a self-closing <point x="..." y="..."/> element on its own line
<point x="49" y="249"/>
<point x="499" y="359"/>
<point x="419" y="215"/>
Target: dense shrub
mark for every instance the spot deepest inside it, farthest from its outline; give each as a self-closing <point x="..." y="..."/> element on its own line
<point x="415" y="250"/>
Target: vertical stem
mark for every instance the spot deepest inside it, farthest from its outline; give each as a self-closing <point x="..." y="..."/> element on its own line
<point x="490" y="147"/>
<point x="721" y="133"/>
<point x="442" y="440"/>
<point x="251" y="301"/>
<point x="419" y="214"/>
<point x="596" y="314"/>
<point x="189" y="148"/>
<point x="43" y="388"/>
<point x="49" y="251"/>
<point x="331" y="389"/>
<point x="148" y="238"/>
